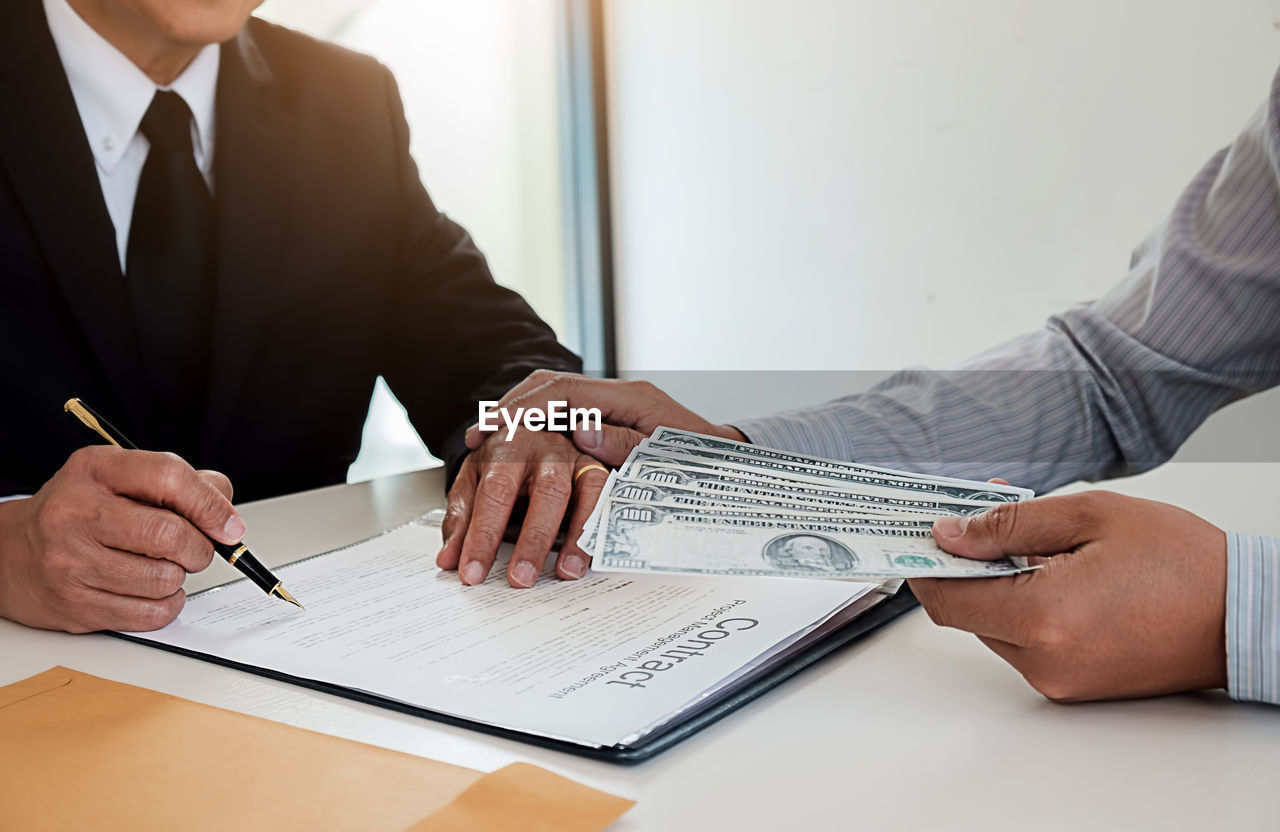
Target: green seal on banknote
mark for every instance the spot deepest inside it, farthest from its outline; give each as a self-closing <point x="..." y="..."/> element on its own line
<point x="915" y="562"/>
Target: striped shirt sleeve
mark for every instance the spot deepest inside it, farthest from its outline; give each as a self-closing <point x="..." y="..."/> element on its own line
<point x="1253" y="618"/>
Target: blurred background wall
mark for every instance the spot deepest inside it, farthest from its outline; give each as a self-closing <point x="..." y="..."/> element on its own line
<point x="862" y="185"/>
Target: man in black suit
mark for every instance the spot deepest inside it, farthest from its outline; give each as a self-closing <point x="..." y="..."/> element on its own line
<point x="211" y="228"/>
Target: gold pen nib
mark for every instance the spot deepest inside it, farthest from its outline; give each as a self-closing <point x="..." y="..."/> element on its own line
<point x="284" y="593"/>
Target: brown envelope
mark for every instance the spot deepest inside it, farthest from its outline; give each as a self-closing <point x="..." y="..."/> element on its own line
<point x="79" y="752"/>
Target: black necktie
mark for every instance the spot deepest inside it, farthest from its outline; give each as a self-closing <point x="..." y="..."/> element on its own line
<point x="170" y="274"/>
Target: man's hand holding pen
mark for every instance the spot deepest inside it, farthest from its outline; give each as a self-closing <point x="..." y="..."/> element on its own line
<point x="108" y="541"/>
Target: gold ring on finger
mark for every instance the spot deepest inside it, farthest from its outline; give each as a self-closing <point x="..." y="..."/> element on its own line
<point x="591" y="466"/>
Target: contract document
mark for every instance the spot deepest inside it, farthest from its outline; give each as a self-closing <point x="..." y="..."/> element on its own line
<point x="605" y="662"/>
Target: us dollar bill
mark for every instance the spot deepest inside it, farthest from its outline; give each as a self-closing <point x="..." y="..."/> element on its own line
<point x="591" y="527"/>
<point x="642" y="537"/>
<point x="642" y="491"/>
<point x="626" y="491"/>
<point x="852" y="480"/>
<point x="766" y="490"/>
<point x="696" y="445"/>
<point x="709" y="480"/>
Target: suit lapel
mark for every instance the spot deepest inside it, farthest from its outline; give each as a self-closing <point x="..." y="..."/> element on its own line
<point x="253" y="180"/>
<point x="44" y="152"/>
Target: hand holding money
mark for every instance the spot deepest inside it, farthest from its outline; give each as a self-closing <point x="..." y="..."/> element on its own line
<point x="1129" y="601"/>
<point x="697" y="504"/>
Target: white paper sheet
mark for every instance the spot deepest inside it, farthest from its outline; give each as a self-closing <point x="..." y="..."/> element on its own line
<point x="591" y="661"/>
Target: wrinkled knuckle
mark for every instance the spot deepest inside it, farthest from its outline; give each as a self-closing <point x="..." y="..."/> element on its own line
<point x="1094" y="498"/>
<point x="1061" y="633"/>
<point x="56" y="512"/>
<point x="642" y="387"/>
<point x="539" y="532"/>
<point x="153" y="616"/>
<point x="560" y="378"/>
<point x="99" y="513"/>
<point x="201" y="554"/>
<point x="170" y="578"/>
<point x="151" y="583"/>
<point x="221" y="482"/>
<point x="483" y="539"/>
<point x="542" y="374"/>
<point x="1049" y="635"/>
<point x="165" y="534"/>
<point x="1002" y="521"/>
<point x="553" y="486"/>
<point x="1090" y="505"/>
<point x="86" y="460"/>
<point x="213" y="509"/>
<point x="499" y="487"/>
<point x="455" y="510"/>
<point x="453" y="521"/>
<point x="173" y="475"/>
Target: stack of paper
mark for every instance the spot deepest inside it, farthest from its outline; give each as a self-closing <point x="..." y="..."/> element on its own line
<point x="603" y="662"/>
<point x="694" y="504"/>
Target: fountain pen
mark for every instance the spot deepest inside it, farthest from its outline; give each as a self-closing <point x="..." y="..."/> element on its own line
<point x="238" y="555"/>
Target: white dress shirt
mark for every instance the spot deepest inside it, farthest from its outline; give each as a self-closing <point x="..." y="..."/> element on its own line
<point x="112" y="95"/>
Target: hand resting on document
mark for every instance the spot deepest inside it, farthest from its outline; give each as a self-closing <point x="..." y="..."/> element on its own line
<point x="543" y="466"/>
<point x="555" y="477"/>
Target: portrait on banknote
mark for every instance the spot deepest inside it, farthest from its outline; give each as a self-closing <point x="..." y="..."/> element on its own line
<point x="809" y="552"/>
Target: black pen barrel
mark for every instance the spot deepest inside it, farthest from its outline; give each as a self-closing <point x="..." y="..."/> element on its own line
<point x="241" y="558"/>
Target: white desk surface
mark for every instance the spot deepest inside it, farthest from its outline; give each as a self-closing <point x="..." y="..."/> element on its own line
<point x="914" y="727"/>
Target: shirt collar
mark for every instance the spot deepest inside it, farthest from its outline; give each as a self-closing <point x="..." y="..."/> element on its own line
<point x="113" y="94"/>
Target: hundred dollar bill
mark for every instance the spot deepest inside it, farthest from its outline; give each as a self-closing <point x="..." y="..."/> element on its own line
<point x="698" y="444"/>
<point x="849" y="481"/>
<point x="715" y="478"/>
<point x="587" y="540"/>
<point x="707" y="480"/>
<point x="752" y="515"/>
<point x="666" y="484"/>
<point x="640" y="491"/>
<point x="636" y="537"/>
<point x="863" y="525"/>
<point x="648" y="494"/>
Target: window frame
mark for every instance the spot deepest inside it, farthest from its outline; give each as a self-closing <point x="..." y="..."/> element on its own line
<point x="584" y="136"/>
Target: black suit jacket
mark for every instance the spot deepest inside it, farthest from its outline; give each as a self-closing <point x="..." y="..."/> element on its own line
<point x="333" y="266"/>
